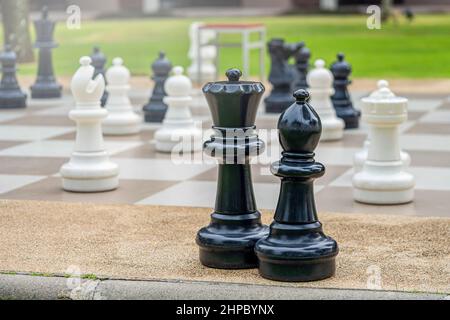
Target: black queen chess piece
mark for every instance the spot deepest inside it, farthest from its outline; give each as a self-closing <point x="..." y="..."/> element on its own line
<point x="228" y="241"/>
<point x="296" y="248"/>
<point x="45" y="86"/>
<point x="155" y="109"/>
<point x="98" y="62"/>
<point x="302" y="56"/>
<point x="281" y="76"/>
<point x="11" y="96"/>
<point x="341" y="99"/>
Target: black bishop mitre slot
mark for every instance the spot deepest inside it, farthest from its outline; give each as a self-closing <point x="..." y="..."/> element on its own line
<point x="297" y="248"/>
<point x="155" y="110"/>
<point x="228" y="241"/>
<point x="98" y="62"/>
<point x="342" y="101"/>
<point x="11" y="96"/>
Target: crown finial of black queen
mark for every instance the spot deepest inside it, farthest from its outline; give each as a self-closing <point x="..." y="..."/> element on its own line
<point x="233" y="74"/>
<point x="296" y="248"/>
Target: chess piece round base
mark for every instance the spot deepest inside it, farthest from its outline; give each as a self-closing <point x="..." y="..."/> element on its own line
<point x="350" y="117"/>
<point x="54" y="102"/>
<point x="332" y="129"/>
<point x="46" y="91"/>
<point x="155" y="112"/>
<point x="119" y="125"/>
<point x="383" y="183"/>
<point x="296" y="253"/>
<point x="228" y="242"/>
<point x="90" y="172"/>
<point x="181" y="140"/>
<point x="278" y="103"/>
<point x="13" y="101"/>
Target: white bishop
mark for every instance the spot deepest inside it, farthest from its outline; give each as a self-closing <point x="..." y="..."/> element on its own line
<point x="178" y="129"/>
<point x="320" y="81"/>
<point x="383" y="179"/>
<point x="361" y="156"/>
<point x="121" y="118"/>
<point x="89" y="168"/>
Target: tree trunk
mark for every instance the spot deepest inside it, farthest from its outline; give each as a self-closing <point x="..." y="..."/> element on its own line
<point x="16" y="28"/>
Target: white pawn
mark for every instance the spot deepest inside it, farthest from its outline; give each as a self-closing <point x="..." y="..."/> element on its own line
<point x="89" y="168"/>
<point x="383" y="179"/>
<point x="320" y="81"/>
<point x="178" y="129"/>
<point x="121" y="118"/>
<point x="360" y="157"/>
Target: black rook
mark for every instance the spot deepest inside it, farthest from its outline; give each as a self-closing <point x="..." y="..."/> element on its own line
<point x="45" y="86"/>
<point x="10" y="94"/>
<point x="296" y="248"/>
<point x="155" y="109"/>
<point x="228" y="241"/>
<point x="341" y="99"/>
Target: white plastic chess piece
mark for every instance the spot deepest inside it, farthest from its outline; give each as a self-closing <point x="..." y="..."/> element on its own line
<point x="360" y="157"/>
<point x="89" y="168"/>
<point x="121" y="120"/>
<point x="178" y="128"/>
<point x="320" y="81"/>
<point x="383" y="179"/>
<point x="207" y="56"/>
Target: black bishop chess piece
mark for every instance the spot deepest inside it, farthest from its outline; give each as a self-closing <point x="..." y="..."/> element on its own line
<point x="45" y="86"/>
<point x="11" y="96"/>
<point x="155" y="109"/>
<point x="341" y="99"/>
<point x="281" y="76"/>
<point x="228" y="241"/>
<point x="297" y="249"/>
<point x="98" y="62"/>
<point x="302" y="56"/>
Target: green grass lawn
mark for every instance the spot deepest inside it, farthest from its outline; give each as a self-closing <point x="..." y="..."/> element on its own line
<point x="417" y="50"/>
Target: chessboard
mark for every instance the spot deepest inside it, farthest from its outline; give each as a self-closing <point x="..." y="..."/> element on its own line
<point x="35" y="142"/>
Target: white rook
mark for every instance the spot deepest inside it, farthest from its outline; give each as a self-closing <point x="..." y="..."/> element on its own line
<point x="89" y="168"/>
<point x="121" y="118"/>
<point x="360" y="157"/>
<point x="320" y="81"/>
<point x="178" y="129"/>
<point x="383" y="179"/>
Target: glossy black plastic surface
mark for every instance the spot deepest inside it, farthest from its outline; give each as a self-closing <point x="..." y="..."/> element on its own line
<point x="228" y="241"/>
<point x="45" y="86"/>
<point x="296" y="248"/>
<point x="341" y="99"/>
<point x="155" y="110"/>
<point x="11" y="96"/>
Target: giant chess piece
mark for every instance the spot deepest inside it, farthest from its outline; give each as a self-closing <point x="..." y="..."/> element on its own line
<point x="341" y="99"/>
<point x="297" y="248"/>
<point x="155" y="109"/>
<point x="320" y="81"/>
<point x="302" y="56"/>
<point x="383" y="179"/>
<point x="121" y="120"/>
<point x="206" y="54"/>
<point x="361" y="156"/>
<point x="228" y="242"/>
<point x="281" y="76"/>
<point x="178" y="132"/>
<point x="98" y="62"/>
<point x="11" y="96"/>
<point x="89" y="168"/>
<point x="45" y="86"/>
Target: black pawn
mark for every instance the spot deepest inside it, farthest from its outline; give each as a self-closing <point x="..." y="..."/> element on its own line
<point x="45" y="86"/>
<point x="11" y="96"/>
<point x="341" y="99"/>
<point x="302" y="57"/>
<point x="281" y="76"/>
<point x="296" y="248"/>
<point x="155" y="109"/>
<point x="228" y="241"/>
<point x="99" y="62"/>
